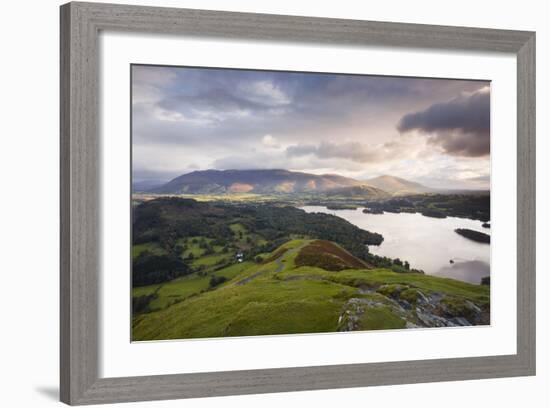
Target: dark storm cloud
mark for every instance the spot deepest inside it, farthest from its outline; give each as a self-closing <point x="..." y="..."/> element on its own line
<point x="460" y="127"/>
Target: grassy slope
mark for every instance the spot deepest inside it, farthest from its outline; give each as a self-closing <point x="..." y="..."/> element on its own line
<point x="277" y="297"/>
<point x="377" y="277"/>
<point x="179" y="289"/>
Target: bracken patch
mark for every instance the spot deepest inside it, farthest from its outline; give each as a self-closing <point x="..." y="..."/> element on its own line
<point x="328" y="256"/>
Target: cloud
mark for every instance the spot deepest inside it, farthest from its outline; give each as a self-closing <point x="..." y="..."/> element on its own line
<point x="301" y="150"/>
<point x="270" y="142"/>
<point x="258" y="160"/>
<point x="353" y="151"/>
<point x="153" y="75"/>
<point x="215" y="105"/>
<point x="460" y="127"/>
<point x="482" y="179"/>
<point x="227" y="118"/>
<point x="265" y="93"/>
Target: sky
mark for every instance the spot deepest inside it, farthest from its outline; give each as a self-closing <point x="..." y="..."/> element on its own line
<point x="433" y="131"/>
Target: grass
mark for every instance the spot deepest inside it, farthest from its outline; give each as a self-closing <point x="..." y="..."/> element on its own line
<point x="234" y="270"/>
<point x="152" y="247"/>
<point x="378" y="277"/>
<point x="380" y="318"/>
<point x="265" y="298"/>
<point x="173" y="291"/>
<point x="144" y="290"/>
<point x="211" y="260"/>
<point x="238" y="229"/>
<point x="179" y="289"/>
<point x="193" y="246"/>
<point x="257" y="307"/>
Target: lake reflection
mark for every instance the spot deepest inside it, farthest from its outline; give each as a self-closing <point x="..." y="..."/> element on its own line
<point x="426" y="243"/>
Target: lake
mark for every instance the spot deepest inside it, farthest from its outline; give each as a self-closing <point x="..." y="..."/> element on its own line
<point x="426" y="243"/>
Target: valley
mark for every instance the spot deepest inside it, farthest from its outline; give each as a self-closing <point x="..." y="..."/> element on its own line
<point x="291" y="292"/>
<point x="240" y="264"/>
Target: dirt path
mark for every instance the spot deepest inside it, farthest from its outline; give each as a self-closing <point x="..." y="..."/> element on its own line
<point x="279" y="262"/>
<point x="249" y="278"/>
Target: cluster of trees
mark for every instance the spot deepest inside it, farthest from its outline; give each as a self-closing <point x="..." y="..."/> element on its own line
<point x="168" y="219"/>
<point x="473" y="206"/>
<point x="396" y="265"/>
<point x="217" y="280"/>
<point x="140" y="304"/>
<point x="148" y="268"/>
<point x="207" y="247"/>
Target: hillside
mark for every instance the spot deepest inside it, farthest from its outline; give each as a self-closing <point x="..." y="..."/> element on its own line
<point x="396" y="185"/>
<point x="361" y="191"/>
<point x="275" y="181"/>
<point x="303" y="286"/>
<point x="164" y="229"/>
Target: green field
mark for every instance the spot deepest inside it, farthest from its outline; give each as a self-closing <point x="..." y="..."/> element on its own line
<point x="149" y="246"/>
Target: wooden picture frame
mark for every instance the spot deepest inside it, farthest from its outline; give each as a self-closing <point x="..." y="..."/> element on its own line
<point x="81" y="24"/>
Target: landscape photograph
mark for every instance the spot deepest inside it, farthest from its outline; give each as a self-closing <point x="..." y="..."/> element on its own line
<point x="285" y="203"/>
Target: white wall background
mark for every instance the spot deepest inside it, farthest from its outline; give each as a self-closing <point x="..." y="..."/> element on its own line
<point x="29" y="203"/>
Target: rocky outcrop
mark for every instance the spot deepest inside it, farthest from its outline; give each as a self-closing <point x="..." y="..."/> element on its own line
<point x="403" y="306"/>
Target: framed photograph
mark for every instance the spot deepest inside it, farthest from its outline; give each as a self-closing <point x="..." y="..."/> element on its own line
<point x="291" y="203"/>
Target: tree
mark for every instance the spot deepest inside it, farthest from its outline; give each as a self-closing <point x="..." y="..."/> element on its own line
<point x="398" y="262"/>
<point x="217" y="280"/>
<point x="148" y="269"/>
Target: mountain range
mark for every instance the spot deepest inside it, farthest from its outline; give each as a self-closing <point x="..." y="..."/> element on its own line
<point x="279" y="181"/>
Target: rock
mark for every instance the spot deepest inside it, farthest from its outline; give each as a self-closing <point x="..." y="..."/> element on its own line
<point x="472" y="306"/>
<point x="432" y="320"/>
<point x="405" y="305"/>
<point x="460" y="321"/>
<point x="422" y="298"/>
<point x="421" y="310"/>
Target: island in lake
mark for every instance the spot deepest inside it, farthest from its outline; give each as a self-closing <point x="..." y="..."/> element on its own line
<point x="474" y="235"/>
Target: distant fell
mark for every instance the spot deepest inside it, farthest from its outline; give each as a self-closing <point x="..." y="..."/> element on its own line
<point x="272" y="181"/>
